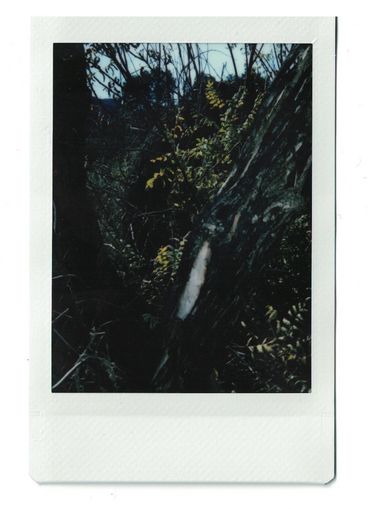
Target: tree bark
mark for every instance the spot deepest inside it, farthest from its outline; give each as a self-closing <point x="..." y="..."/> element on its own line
<point x="240" y="230"/>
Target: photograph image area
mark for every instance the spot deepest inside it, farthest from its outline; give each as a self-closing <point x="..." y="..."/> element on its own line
<point x="182" y="217"/>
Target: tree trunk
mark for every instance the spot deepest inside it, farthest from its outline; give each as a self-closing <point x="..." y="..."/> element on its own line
<point x="77" y="240"/>
<point x="82" y="273"/>
<point x="240" y="230"/>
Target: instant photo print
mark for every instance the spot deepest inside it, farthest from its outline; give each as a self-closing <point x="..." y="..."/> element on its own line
<point x="183" y="250"/>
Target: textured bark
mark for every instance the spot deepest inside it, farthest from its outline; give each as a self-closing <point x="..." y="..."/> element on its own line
<point x="241" y="229"/>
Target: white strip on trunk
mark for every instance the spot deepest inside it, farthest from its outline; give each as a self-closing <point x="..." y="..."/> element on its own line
<point x="196" y="279"/>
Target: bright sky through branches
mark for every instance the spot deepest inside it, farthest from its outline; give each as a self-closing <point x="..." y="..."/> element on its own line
<point x="218" y="61"/>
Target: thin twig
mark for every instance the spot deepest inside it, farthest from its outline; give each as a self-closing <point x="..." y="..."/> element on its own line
<point x="60" y="315"/>
<point x="83" y="357"/>
<point x="60" y="336"/>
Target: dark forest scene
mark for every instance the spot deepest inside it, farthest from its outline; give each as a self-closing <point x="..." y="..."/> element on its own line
<point x="182" y="218"/>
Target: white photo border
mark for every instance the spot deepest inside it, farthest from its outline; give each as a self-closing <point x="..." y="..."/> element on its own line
<point x="185" y="437"/>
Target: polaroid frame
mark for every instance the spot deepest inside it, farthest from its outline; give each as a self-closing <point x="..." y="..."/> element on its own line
<point x="185" y="437"/>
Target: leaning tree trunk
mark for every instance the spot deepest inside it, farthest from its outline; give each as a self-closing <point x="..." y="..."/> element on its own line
<point x="240" y="229"/>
